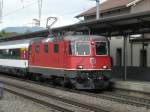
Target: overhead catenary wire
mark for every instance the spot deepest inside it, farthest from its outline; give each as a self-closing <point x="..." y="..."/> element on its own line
<point x="66" y="13"/>
<point x="19" y="9"/>
<point x="40" y="10"/>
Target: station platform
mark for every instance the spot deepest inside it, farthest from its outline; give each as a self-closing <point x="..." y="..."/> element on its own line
<point x="136" y="86"/>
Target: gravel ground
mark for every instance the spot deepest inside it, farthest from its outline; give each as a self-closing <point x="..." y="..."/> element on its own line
<point x="111" y="105"/>
<point x="14" y="103"/>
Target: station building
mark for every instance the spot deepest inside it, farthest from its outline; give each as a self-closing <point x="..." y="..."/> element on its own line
<point x="138" y="46"/>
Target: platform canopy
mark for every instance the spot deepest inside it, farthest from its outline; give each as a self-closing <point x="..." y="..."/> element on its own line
<point x="127" y="24"/>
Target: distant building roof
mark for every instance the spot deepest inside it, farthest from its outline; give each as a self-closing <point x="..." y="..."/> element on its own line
<point x="107" y="6"/>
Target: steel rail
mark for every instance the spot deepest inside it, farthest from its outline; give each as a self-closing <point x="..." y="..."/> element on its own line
<point x="84" y="106"/>
<point x="113" y="96"/>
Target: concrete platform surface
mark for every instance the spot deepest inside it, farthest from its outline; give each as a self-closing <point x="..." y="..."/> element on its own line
<point x="138" y="86"/>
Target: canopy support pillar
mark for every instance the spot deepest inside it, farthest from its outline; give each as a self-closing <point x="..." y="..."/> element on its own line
<point x="125" y="57"/>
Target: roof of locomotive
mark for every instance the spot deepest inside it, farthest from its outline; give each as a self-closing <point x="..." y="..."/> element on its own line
<point x="85" y="37"/>
<point x="74" y="38"/>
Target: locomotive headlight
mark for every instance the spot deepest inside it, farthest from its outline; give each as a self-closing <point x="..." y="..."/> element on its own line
<point x="104" y="67"/>
<point x="79" y="67"/>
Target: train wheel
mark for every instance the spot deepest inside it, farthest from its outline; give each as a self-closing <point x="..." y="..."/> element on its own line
<point x="65" y="82"/>
<point x="62" y="82"/>
<point x="73" y="84"/>
<point x="36" y="77"/>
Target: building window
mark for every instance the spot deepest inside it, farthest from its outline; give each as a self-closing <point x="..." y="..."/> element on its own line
<point x="143" y="58"/>
<point x="46" y="48"/>
<point x="56" y="48"/>
<point x="118" y="57"/>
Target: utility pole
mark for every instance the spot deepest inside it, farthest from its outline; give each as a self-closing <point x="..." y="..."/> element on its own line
<point x="97" y="9"/>
<point x="40" y="10"/>
<point x="1" y="10"/>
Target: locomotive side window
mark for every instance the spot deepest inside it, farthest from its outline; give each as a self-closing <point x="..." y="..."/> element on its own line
<point x="72" y="48"/>
<point x="46" y="48"/>
<point x="37" y="48"/>
<point x="56" y="48"/>
<point x="82" y="48"/>
<point x="101" y="48"/>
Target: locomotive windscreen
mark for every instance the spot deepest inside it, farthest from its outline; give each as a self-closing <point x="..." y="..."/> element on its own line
<point x="82" y="48"/>
<point x="101" y="48"/>
<point x="79" y="48"/>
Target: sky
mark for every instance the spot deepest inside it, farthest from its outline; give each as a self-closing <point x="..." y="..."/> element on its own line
<point x="22" y="12"/>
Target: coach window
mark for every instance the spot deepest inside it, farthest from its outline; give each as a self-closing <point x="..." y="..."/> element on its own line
<point x="14" y="53"/>
<point x="46" y="48"/>
<point x="56" y="48"/>
<point x="6" y="53"/>
<point x="37" y="48"/>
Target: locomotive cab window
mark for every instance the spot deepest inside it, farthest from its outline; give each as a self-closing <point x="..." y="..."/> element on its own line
<point x="101" y="48"/>
<point x="56" y="48"/>
<point x="72" y="48"/>
<point x="82" y="48"/>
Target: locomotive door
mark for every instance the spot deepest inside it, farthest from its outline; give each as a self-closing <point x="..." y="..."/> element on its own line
<point x="64" y="57"/>
<point x="59" y="54"/>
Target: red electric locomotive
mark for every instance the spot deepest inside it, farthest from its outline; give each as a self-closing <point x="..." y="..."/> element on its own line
<point x="80" y="61"/>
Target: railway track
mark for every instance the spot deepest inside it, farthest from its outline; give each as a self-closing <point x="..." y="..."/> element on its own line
<point x="56" y="102"/>
<point x="113" y="96"/>
<point x="125" y="99"/>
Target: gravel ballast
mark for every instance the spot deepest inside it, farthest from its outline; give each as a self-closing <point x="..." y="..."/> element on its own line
<point x="14" y="103"/>
<point x="111" y="105"/>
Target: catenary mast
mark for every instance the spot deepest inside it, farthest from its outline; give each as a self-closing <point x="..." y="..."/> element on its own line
<point x="1" y="10"/>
